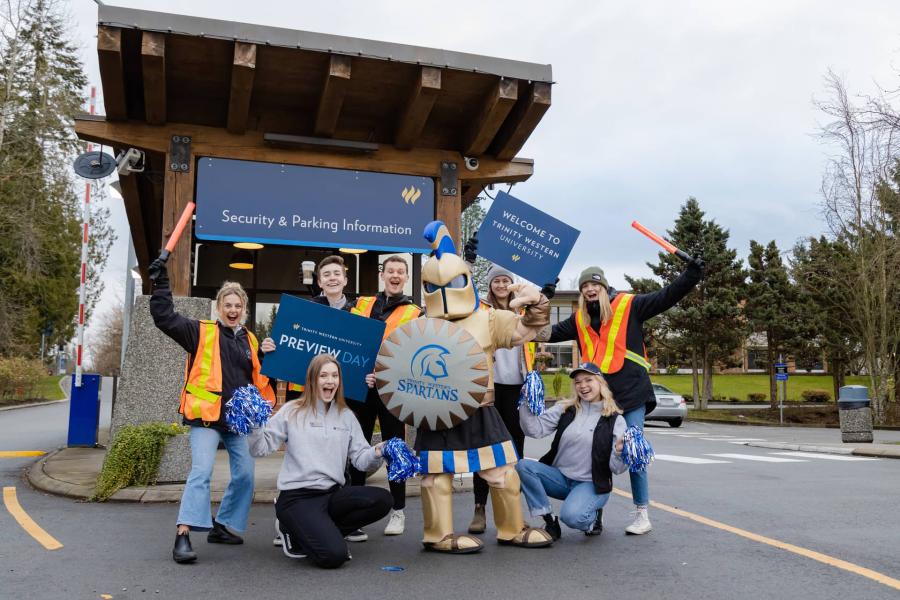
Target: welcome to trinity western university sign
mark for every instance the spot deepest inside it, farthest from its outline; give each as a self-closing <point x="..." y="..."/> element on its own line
<point x="239" y="201"/>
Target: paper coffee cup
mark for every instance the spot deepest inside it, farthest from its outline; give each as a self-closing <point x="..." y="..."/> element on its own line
<point x="309" y="268"/>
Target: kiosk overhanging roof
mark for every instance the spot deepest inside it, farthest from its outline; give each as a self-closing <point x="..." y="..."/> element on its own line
<point x="159" y="68"/>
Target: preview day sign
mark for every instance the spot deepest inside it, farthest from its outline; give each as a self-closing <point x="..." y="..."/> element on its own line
<point x="528" y="242"/>
<point x="304" y="329"/>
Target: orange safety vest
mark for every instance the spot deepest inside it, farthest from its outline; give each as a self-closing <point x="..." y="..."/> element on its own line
<point x="529" y="349"/>
<point x="399" y="316"/>
<point x="607" y="349"/>
<point x="201" y="397"/>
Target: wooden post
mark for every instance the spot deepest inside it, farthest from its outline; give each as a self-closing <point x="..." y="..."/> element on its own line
<point x="448" y="209"/>
<point x="178" y="191"/>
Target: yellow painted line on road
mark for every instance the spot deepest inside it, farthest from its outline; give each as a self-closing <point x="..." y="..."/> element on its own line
<point x="812" y="554"/>
<point x="33" y="529"/>
<point x="20" y="453"/>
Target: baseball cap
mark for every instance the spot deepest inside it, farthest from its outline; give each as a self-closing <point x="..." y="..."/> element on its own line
<point x="587" y="367"/>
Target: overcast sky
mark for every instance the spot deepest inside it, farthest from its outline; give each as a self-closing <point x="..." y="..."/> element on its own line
<point x="654" y="102"/>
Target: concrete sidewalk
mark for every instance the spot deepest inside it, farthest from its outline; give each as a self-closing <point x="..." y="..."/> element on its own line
<point x="875" y="450"/>
<point x="73" y="472"/>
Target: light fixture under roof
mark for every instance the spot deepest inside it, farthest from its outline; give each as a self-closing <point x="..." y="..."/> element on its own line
<point x="248" y="245"/>
<point x="241" y="260"/>
<point x="352" y="250"/>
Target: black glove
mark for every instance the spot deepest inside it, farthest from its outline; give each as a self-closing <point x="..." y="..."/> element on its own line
<point x="697" y="264"/>
<point x="159" y="275"/>
<point x="549" y="289"/>
<point x="470" y="250"/>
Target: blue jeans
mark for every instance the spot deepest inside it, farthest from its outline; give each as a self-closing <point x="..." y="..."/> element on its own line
<point x="640" y="485"/>
<point x="541" y="482"/>
<point x="195" y="508"/>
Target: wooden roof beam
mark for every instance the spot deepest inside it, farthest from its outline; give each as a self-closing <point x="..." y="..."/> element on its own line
<point x="334" y="89"/>
<point x="470" y="193"/>
<point x="243" y="72"/>
<point x="153" y="62"/>
<point x="112" y="74"/>
<point x="418" y="107"/>
<point x="522" y="122"/>
<point x="494" y="109"/>
<point x="133" y="210"/>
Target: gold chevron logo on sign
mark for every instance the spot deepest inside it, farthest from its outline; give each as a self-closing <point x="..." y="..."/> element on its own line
<point x="516" y="258"/>
<point x="410" y="194"/>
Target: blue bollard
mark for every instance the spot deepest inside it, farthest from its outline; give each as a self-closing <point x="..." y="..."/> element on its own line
<point x="84" y="412"/>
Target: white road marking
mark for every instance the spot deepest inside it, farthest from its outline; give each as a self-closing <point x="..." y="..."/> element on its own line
<point x="689" y="459"/>
<point x="822" y="456"/>
<point x="757" y="458"/>
<point x="732" y="440"/>
<point x="678" y="433"/>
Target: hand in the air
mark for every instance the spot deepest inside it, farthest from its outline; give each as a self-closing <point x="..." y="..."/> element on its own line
<point x="698" y="264"/>
<point x="370" y="380"/>
<point x="526" y="295"/>
<point x="157" y="270"/>
<point x="470" y="250"/>
<point x="549" y="289"/>
<point x="268" y="345"/>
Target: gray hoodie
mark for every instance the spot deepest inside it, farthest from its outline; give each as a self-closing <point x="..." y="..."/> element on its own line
<point x="318" y="445"/>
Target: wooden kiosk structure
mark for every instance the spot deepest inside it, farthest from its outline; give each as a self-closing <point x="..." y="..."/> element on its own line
<point x="180" y="88"/>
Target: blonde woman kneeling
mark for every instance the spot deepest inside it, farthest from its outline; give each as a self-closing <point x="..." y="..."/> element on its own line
<point x="586" y="451"/>
<point x="314" y="510"/>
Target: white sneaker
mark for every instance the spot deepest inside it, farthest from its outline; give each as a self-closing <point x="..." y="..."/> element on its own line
<point x="277" y="541"/>
<point x="641" y="524"/>
<point x="396" y="524"/>
<point x="289" y="550"/>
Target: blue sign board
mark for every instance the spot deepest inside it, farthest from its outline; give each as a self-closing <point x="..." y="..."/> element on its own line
<point x="781" y="372"/>
<point x="303" y="329"/>
<point x="240" y="201"/>
<point x="528" y="242"/>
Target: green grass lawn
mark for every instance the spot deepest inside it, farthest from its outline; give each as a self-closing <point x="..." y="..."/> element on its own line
<point x="730" y="386"/>
<point x="46" y="389"/>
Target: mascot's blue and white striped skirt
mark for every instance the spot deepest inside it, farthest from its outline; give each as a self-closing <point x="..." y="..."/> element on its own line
<point x="478" y="443"/>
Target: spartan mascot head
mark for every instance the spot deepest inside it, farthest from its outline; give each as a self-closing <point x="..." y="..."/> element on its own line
<point x="449" y="290"/>
<point x="429" y="361"/>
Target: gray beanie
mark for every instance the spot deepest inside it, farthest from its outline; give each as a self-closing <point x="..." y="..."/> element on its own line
<point x="498" y="271"/>
<point x="593" y="274"/>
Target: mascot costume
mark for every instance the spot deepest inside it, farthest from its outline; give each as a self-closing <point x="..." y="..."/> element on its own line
<point x="480" y="443"/>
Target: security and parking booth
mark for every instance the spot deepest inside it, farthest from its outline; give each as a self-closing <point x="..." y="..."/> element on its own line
<point x="855" y="413"/>
<point x="256" y="123"/>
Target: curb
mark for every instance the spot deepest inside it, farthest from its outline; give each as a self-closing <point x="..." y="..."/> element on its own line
<point x="39" y="480"/>
<point x="852" y="451"/>
<point x="786" y="425"/>
<point x="30" y="404"/>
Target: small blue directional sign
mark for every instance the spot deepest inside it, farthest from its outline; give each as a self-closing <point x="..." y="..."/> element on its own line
<point x="781" y="372"/>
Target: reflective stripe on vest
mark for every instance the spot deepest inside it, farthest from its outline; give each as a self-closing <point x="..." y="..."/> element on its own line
<point x="529" y="349"/>
<point x="295" y="387"/>
<point x="608" y="348"/>
<point x="400" y="315"/>
<point x="203" y="378"/>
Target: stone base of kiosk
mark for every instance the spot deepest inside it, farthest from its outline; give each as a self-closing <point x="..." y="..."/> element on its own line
<point x="151" y="381"/>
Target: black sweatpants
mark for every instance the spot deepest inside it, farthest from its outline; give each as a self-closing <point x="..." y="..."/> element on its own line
<point x="318" y="520"/>
<point x="391" y="427"/>
<point x="505" y="399"/>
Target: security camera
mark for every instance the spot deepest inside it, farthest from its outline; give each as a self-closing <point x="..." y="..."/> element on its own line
<point x="471" y="163"/>
<point x="130" y="161"/>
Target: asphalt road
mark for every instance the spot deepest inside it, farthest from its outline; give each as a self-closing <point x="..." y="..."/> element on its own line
<point x="846" y="510"/>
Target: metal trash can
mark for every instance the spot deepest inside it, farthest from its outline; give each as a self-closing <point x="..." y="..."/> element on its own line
<point x="84" y="411"/>
<point x="855" y="414"/>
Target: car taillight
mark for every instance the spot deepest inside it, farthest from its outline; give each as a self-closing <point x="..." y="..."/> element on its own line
<point x="681" y="402"/>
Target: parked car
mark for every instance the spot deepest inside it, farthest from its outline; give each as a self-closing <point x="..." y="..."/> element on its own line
<point x="670" y="407"/>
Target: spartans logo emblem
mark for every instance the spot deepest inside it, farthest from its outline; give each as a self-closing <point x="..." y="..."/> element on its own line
<point x="431" y="373"/>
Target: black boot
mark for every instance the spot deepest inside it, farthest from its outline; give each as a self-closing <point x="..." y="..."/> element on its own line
<point x="551" y="526"/>
<point x="183" y="553"/>
<point x="597" y="528"/>
<point x="219" y="534"/>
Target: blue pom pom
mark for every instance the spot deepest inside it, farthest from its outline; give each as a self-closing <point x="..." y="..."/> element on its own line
<point x="402" y="461"/>
<point x="246" y="410"/>
<point x="637" y="452"/>
<point x="533" y="393"/>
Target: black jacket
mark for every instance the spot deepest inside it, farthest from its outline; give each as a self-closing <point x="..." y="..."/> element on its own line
<point x="601" y="449"/>
<point x="234" y="348"/>
<point x="384" y="305"/>
<point x="631" y="385"/>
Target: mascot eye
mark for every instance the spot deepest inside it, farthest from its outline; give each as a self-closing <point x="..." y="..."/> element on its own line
<point x="431" y="288"/>
<point x="460" y="281"/>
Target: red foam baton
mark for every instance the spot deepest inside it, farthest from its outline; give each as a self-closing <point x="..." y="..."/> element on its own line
<point x="176" y="233"/>
<point x="666" y="244"/>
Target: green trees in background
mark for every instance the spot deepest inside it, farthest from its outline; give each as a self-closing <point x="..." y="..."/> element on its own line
<point x="42" y="87"/>
<point x="470" y="221"/>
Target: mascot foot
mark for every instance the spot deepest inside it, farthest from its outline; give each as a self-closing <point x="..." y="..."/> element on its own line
<point x="529" y="537"/>
<point x="455" y="544"/>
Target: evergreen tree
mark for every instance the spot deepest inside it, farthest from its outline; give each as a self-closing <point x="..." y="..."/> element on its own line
<point x="42" y="86"/>
<point x="471" y="220"/>
<point x="707" y="325"/>
<point x="772" y="307"/>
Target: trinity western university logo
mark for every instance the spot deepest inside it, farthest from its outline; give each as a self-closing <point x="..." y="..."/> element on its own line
<point x="410" y="194"/>
<point x="429" y="361"/>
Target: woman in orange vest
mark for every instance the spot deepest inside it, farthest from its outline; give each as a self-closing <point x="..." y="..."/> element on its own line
<point x="223" y="356"/>
<point x="510" y="367"/>
<point x="609" y="328"/>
